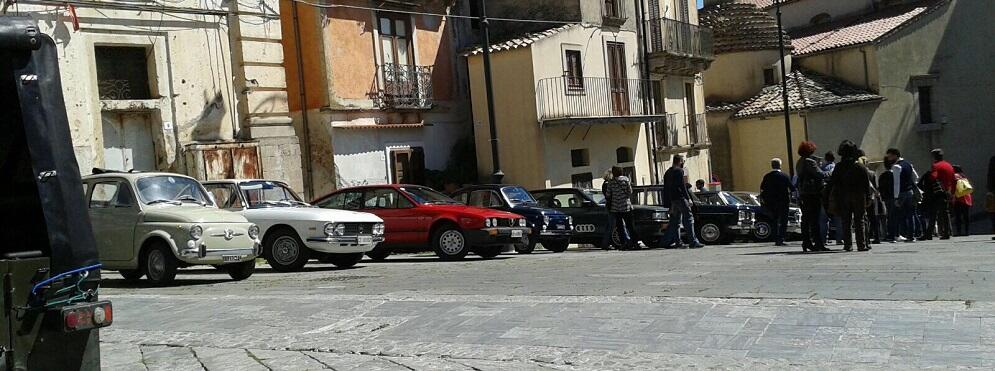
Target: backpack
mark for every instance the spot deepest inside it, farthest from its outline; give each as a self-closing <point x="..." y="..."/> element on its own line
<point x="963" y="188"/>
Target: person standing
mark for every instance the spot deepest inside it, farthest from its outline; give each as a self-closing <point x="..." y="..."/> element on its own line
<point x="618" y="196"/>
<point x="811" y="182"/>
<point x="850" y="196"/>
<point x="699" y="185"/>
<point x="876" y="208"/>
<point x="962" y="204"/>
<point x="831" y="224"/>
<point x="931" y="194"/>
<point x="775" y="194"/>
<point x="944" y="173"/>
<point x="678" y="199"/>
<point x="606" y="243"/>
<point x="904" y="179"/>
<point x="887" y="193"/>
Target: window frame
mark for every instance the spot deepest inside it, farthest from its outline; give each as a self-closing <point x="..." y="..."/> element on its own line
<point x="573" y="72"/>
<point x="408" y="37"/>
<point x="111" y="203"/>
<point x="233" y="189"/>
<point x="586" y="157"/>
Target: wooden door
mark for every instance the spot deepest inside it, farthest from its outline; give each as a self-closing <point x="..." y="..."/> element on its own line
<point x="128" y="143"/>
<point x="617" y="78"/>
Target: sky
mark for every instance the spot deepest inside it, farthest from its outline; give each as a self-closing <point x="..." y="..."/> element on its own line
<point x="699" y="4"/>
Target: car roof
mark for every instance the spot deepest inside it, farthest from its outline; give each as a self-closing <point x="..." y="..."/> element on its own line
<point x="237" y="181"/>
<point x="130" y="175"/>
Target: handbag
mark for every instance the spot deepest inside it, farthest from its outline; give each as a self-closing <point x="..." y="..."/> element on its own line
<point x="963" y="188"/>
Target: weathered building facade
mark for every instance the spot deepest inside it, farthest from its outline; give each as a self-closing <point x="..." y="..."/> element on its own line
<point x="189" y="87"/>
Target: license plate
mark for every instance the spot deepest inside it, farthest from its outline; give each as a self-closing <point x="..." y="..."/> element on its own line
<point x="230" y="258"/>
<point x="516" y="234"/>
<point x="561" y="226"/>
<point x="365" y="240"/>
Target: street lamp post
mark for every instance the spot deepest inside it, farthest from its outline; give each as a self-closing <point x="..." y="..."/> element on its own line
<point x="498" y="175"/>
<point x="784" y="91"/>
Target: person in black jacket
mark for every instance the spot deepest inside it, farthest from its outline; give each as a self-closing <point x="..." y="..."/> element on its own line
<point x="851" y="194"/>
<point x="678" y="198"/>
<point x="886" y="184"/>
<point x="811" y="181"/>
<point x="775" y="193"/>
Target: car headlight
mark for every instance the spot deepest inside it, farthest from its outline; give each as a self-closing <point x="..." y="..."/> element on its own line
<point x="254" y="232"/>
<point x="196" y="232"/>
<point x="545" y="219"/>
<point x="487" y="222"/>
<point x="334" y="229"/>
<point x="378" y="229"/>
<point x="659" y="215"/>
<point x="521" y="222"/>
<point x="570" y="219"/>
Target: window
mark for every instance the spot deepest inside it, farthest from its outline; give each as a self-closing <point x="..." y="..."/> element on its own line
<point x="711" y="199"/>
<point x="613" y="9"/>
<point x="630" y="172"/>
<point x="925" y="96"/>
<point x="269" y="194"/>
<point x="225" y="195"/>
<point x="122" y="72"/>
<point x="583" y="181"/>
<point x="623" y="154"/>
<point x="485" y="198"/>
<point x="769" y="76"/>
<point x="580" y="157"/>
<point x="566" y="200"/>
<point x="395" y="38"/>
<point x="574" y="70"/>
<point x="821" y="18"/>
<point x="384" y="199"/>
<point x="110" y="194"/>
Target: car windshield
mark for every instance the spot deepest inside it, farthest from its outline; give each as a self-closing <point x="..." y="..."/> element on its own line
<point x="270" y="194"/>
<point x="648" y="197"/>
<point x="518" y="195"/>
<point x="596" y="195"/>
<point x="171" y="189"/>
<point x="747" y="199"/>
<point x="427" y="196"/>
<point x="730" y="199"/>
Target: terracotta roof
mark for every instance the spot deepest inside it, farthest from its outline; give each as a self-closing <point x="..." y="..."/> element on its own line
<point x="723" y="106"/>
<point x="806" y="90"/>
<point x="521" y="41"/>
<point x="855" y="30"/>
<point x="765" y="4"/>
<point x="741" y="27"/>
<point x="378" y="126"/>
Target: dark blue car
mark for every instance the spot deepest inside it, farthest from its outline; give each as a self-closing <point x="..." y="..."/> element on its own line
<point x="551" y="228"/>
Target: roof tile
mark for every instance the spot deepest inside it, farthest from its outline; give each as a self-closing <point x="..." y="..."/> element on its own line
<point x="853" y="31"/>
<point x="741" y="27"/>
<point x="806" y="90"/>
<point x="521" y="41"/>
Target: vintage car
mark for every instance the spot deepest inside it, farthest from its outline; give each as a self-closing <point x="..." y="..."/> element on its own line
<point x="550" y="228"/>
<point x="590" y="217"/>
<point x="150" y="224"/>
<point x="762" y="229"/>
<point x="293" y="231"/>
<point x="719" y="217"/>
<point x="417" y="216"/>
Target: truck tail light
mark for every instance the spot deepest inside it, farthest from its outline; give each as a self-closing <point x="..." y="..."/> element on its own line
<point x="87" y="316"/>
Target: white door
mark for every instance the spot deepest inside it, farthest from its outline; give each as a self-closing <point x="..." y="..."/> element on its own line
<point x="128" y="141"/>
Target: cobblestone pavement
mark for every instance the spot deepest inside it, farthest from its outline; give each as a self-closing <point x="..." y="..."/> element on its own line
<point x="900" y="306"/>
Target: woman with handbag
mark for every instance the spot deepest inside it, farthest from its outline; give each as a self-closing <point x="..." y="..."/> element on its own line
<point x="850" y="196"/>
<point x="963" y="200"/>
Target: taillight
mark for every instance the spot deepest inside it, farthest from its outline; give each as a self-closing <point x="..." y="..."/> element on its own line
<point x="87" y="316"/>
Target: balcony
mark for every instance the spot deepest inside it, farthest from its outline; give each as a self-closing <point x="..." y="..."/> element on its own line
<point x="678" y="48"/>
<point x="613" y="13"/>
<point x="668" y="133"/>
<point x="404" y="87"/>
<point x="594" y="100"/>
<point x="698" y="131"/>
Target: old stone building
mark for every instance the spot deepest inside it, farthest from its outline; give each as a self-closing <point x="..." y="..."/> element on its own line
<point x="189" y="87"/>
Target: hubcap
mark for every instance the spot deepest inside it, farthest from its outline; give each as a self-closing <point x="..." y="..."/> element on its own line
<point x="451" y="242"/>
<point x="616" y="238"/>
<point x="285" y="250"/>
<point x="763" y="230"/>
<point x="710" y="232"/>
<point x="156" y="265"/>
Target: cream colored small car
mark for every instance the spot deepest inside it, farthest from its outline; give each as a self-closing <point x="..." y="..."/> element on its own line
<point x="150" y="224"/>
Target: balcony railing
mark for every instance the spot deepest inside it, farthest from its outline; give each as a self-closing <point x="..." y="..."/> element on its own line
<point x="679" y="38"/>
<point x="698" y="130"/>
<point x="667" y="132"/>
<point x="404" y="87"/>
<point x="593" y="97"/>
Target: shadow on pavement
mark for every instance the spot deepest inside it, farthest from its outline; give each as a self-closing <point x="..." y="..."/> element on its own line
<point x="795" y="252"/>
<point x="120" y="283"/>
<point x="434" y="259"/>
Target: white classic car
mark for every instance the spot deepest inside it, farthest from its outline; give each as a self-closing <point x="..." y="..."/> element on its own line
<point x="292" y="230"/>
<point x="150" y="224"/>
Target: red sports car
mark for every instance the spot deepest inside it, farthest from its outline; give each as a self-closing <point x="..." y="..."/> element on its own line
<point x="416" y="216"/>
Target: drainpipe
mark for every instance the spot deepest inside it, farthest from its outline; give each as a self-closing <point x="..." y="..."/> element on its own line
<point x="647" y="103"/>
<point x="308" y="175"/>
<point x="867" y="77"/>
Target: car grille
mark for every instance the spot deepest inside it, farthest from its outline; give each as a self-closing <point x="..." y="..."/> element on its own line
<point x="503" y="222"/>
<point x="353" y="229"/>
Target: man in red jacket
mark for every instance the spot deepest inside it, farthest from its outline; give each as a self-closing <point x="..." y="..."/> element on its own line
<point x="944" y="174"/>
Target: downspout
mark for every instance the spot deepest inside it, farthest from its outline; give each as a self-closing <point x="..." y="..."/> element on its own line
<point x="309" y="176"/>
<point x="867" y="76"/>
<point x="647" y="103"/>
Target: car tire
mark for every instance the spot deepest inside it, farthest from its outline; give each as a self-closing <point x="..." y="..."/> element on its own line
<point x="762" y="231"/>
<point x="240" y="271"/>
<point x="378" y="254"/>
<point x="527" y="246"/>
<point x="158" y="264"/>
<point x="711" y="234"/>
<point x="556" y="246"/>
<point x="131" y="274"/>
<point x="450" y="243"/>
<point x="342" y="260"/>
<point x="284" y="251"/>
<point x="488" y="252"/>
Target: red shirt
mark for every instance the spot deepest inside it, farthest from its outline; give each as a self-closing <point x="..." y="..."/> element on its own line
<point x="944" y="172"/>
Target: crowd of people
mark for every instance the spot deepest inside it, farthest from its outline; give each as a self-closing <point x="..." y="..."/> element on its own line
<point x="847" y="202"/>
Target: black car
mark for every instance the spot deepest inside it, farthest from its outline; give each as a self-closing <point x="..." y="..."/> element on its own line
<point x="719" y="217"/>
<point x="762" y="228"/>
<point x="587" y="207"/>
<point x="551" y="228"/>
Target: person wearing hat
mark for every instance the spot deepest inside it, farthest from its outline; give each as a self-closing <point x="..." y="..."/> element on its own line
<point x="943" y="172"/>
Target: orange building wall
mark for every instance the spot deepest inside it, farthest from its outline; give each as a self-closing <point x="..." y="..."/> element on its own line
<point x="351" y="55"/>
<point x="309" y="28"/>
<point x="433" y="47"/>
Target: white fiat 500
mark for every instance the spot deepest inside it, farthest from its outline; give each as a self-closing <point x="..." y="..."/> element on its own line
<point x="293" y="231"/>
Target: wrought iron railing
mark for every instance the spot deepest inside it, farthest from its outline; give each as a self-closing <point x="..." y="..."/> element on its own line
<point x="667" y="132"/>
<point x="592" y="97"/>
<point x="698" y="130"/>
<point x="679" y="38"/>
<point x="405" y="87"/>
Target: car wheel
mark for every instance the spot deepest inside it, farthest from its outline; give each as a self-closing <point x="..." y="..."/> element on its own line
<point x="527" y="246"/>
<point x="342" y="260"/>
<point x="711" y="233"/>
<point x="240" y="271"/>
<point x="159" y="264"/>
<point x="449" y="243"/>
<point x="556" y="246"/>
<point x="761" y="231"/>
<point x="489" y="252"/>
<point x="285" y="252"/>
<point x="378" y="254"/>
<point x="131" y="274"/>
